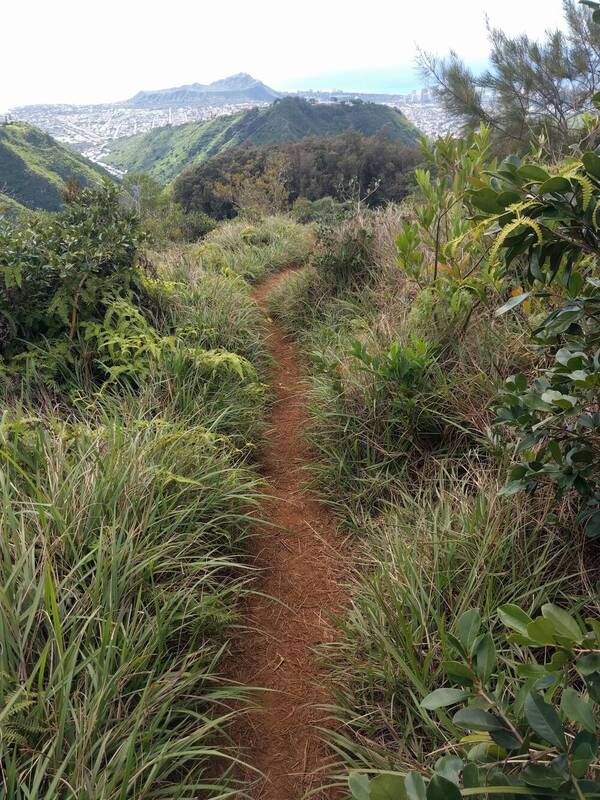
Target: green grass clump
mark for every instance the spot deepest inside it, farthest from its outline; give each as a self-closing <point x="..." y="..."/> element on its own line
<point x="121" y="563"/>
<point x="253" y="250"/>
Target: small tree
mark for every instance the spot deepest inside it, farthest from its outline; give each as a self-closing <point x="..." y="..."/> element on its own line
<point x="533" y="90"/>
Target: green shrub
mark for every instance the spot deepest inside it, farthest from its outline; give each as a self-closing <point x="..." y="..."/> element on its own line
<point x="161" y="217"/>
<point x="343" y="255"/>
<point x="325" y="211"/>
<point x="55" y="271"/>
<point x="532" y="722"/>
<point x="548" y="235"/>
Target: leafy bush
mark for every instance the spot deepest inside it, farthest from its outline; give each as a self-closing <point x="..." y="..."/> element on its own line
<point x="63" y="276"/>
<point x="343" y="254"/>
<point x="532" y="722"/>
<point x="435" y="247"/>
<point x="546" y="228"/>
<point x="57" y="271"/>
<point x="324" y="211"/>
<point x="163" y="219"/>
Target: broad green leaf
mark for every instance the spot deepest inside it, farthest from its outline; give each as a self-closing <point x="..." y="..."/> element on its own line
<point x="584" y="750"/>
<point x="544" y="720"/>
<point x="472" y="776"/>
<point x="359" y="786"/>
<point x="542" y="631"/>
<point x="514" y="617"/>
<point x="440" y="698"/>
<point x="475" y="719"/>
<point x="388" y="787"/>
<point x="592" y="683"/>
<point x="588" y="663"/>
<point x="591" y="162"/>
<point x="531" y="172"/>
<point x="414" y="786"/>
<point x="486" y="200"/>
<point x="512" y="303"/>
<point x="440" y="788"/>
<point x="544" y="777"/>
<point x="485" y="658"/>
<point x="564" y="623"/>
<point x="458" y="672"/>
<point x="468" y="626"/>
<point x="557" y="185"/>
<point x="512" y="487"/>
<point x="486" y="753"/>
<point x="559" y="399"/>
<point x="449" y="767"/>
<point x="506" y="739"/>
<point x="508" y="197"/>
<point x="577" y="710"/>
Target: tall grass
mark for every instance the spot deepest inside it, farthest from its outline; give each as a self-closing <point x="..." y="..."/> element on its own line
<point x="121" y="559"/>
<point x="440" y="548"/>
<point x="251" y="251"/>
<point x="124" y="518"/>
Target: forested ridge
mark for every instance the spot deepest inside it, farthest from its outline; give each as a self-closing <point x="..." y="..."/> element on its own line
<point x="164" y="152"/>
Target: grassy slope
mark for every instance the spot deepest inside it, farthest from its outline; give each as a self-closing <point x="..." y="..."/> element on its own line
<point x="164" y="152"/>
<point x="9" y="207"/>
<point x="34" y="167"/>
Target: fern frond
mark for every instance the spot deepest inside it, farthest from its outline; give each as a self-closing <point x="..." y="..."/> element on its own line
<point x="11" y="736"/>
<point x="512" y="226"/>
<point x="595" y="216"/>
<point x="587" y="189"/>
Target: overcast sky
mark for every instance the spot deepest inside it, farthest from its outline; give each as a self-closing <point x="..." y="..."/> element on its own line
<point x="81" y="51"/>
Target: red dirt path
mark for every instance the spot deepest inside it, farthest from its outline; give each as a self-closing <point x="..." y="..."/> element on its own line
<point x="300" y="558"/>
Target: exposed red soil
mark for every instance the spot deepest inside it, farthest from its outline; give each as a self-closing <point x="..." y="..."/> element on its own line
<point x="300" y="558"/>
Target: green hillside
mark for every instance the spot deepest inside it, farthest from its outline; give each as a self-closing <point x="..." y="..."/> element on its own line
<point x="9" y="207"/>
<point x="34" y="167"/>
<point x="164" y="152"/>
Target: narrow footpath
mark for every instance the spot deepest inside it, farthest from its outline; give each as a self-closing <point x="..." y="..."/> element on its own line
<point x="300" y="559"/>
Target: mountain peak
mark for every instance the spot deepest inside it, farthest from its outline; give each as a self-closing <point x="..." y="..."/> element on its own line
<point x="238" y="88"/>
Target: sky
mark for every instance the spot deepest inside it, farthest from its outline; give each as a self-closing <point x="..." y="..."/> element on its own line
<point x="83" y="51"/>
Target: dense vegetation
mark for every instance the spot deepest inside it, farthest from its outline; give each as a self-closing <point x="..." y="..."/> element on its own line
<point x="164" y="152"/>
<point x="274" y="178"/>
<point x="452" y="344"/>
<point x="133" y="404"/>
<point x="435" y="330"/>
<point x="34" y="168"/>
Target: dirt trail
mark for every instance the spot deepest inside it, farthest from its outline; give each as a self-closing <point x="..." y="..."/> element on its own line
<point x="300" y="556"/>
